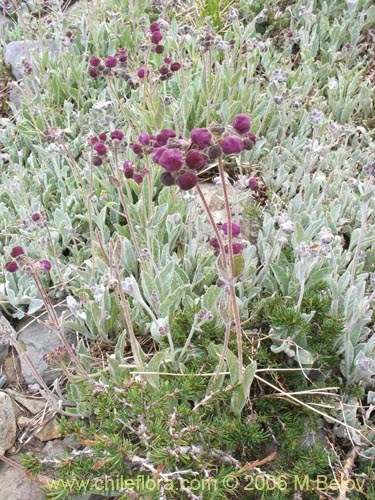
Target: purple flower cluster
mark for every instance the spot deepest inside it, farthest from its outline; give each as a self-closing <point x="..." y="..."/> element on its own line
<point x="132" y="171"/>
<point x="182" y="159"/>
<point x="21" y="261"/>
<point x="237" y="246"/>
<point x="117" y="65"/>
<point x="103" y="67"/>
<point x="102" y="143"/>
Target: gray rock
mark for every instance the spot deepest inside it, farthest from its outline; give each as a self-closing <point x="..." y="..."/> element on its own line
<point x="8" y="425"/>
<point x="33" y="405"/>
<point x="16" y="486"/>
<point x="40" y="340"/>
<point x="16" y="54"/>
<point x="5" y="331"/>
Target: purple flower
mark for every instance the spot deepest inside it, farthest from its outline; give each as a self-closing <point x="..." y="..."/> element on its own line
<point x="201" y="137"/>
<point x="138" y="178"/>
<point x="17" y="251"/>
<point x="100" y="148"/>
<point x="156" y="37"/>
<point x="154" y="27"/>
<point x="103" y="136"/>
<point x="142" y="72"/>
<point x="194" y="159"/>
<point x="175" y="66"/>
<point x="11" y="266"/>
<point x="94" y="61"/>
<point x="45" y="265"/>
<point x="167" y="179"/>
<point x="187" y="181"/>
<point x="163" y="70"/>
<point x="253" y="183"/>
<point x="164" y="135"/>
<point x="93" y="73"/>
<point x="237" y="248"/>
<point x="159" y="49"/>
<point x="137" y="148"/>
<point x="214" y="242"/>
<point x="241" y="124"/>
<point x="167" y="60"/>
<point x="144" y="139"/>
<point x="97" y="161"/>
<point x="249" y="141"/>
<point x="171" y="160"/>
<point x="232" y="145"/>
<point x="110" y="62"/>
<point x="156" y="154"/>
<point x="236" y="230"/>
<point x="117" y="135"/>
<point x="36" y="216"/>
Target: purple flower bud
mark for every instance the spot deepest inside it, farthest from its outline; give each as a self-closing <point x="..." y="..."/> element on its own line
<point x="214" y="242"/>
<point x="175" y="66"/>
<point x="103" y="136"/>
<point x="100" y="148"/>
<point x="17" y="251"/>
<point x="144" y="139"/>
<point x="163" y="136"/>
<point x="154" y="27"/>
<point x="156" y="154"/>
<point x="156" y="37"/>
<point x="201" y="137"/>
<point x="142" y="72"/>
<point x="138" y="178"/>
<point x="236" y="230"/>
<point x="137" y="148"/>
<point x="237" y="248"/>
<point x="167" y="179"/>
<point x="110" y="62"/>
<point x="11" y="266"/>
<point x="253" y="183"/>
<point x="171" y="160"/>
<point x="93" y="73"/>
<point x="194" y="159"/>
<point x="129" y="172"/>
<point x="241" y="124"/>
<point x="249" y="141"/>
<point x="187" y="181"/>
<point x="45" y="265"/>
<point x="167" y="60"/>
<point x="163" y="70"/>
<point x="94" y="140"/>
<point x="94" y="61"/>
<point x="36" y="216"/>
<point x="117" y="135"/>
<point x="159" y="49"/>
<point x="232" y="145"/>
<point x="97" y="161"/>
<point x="214" y="152"/>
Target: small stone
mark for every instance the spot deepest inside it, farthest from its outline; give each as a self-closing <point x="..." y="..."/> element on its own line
<point x="8" y="426"/>
<point x="23" y="421"/>
<point x="12" y="370"/>
<point x="51" y="430"/>
<point x="33" y="405"/>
